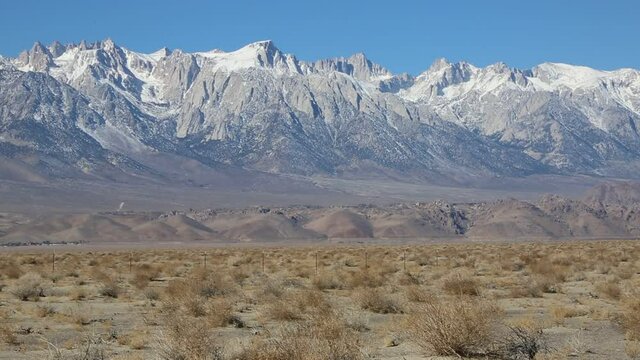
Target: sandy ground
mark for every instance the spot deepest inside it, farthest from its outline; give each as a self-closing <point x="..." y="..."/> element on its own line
<point x="577" y="293"/>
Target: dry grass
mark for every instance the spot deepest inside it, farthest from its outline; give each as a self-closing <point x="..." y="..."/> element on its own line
<point x="560" y="313"/>
<point x="378" y="301"/>
<point x="456" y="326"/>
<point x="632" y="349"/>
<point x="8" y="336"/>
<point x="166" y="304"/>
<point x="609" y="290"/>
<point x="631" y="319"/>
<point x="184" y="337"/>
<point x="110" y="289"/>
<point x="458" y="285"/>
<point x="29" y="287"/>
<point x="320" y="338"/>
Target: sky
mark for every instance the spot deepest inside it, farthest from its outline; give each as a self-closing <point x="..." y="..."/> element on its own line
<point x="402" y="35"/>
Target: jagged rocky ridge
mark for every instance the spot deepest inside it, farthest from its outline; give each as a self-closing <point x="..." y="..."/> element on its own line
<point x="261" y="109"/>
<point x="600" y="214"/>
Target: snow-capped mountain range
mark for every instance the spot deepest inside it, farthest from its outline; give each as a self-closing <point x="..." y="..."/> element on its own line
<point x="92" y="109"/>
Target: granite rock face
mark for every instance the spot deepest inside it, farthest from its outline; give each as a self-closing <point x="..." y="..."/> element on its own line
<point x="262" y="109"/>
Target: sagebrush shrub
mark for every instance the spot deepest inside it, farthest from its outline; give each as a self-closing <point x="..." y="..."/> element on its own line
<point x="460" y="326"/>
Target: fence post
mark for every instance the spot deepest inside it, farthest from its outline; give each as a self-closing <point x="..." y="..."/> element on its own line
<point x="130" y="261"/>
<point x="263" y="262"/>
<point x="53" y="262"/>
<point x="316" y="263"/>
<point x="404" y="260"/>
<point x="205" y="260"/>
<point x="366" y="260"/>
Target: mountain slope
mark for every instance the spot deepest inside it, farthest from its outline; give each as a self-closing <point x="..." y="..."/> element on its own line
<point x="46" y="125"/>
<point x="261" y="109"/>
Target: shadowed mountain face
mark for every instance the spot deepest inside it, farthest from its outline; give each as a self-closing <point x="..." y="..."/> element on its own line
<point x="551" y="217"/>
<point x="100" y="110"/>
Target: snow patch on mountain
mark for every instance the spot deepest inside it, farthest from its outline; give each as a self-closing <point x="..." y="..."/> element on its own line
<point x="262" y="108"/>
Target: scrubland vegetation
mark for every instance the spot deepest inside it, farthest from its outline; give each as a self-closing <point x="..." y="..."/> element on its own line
<point x="496" y="301"/>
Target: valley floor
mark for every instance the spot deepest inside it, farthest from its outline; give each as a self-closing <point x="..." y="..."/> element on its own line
<point x="350" y="301"/>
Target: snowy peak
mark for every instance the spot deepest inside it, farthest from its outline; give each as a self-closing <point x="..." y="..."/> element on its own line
<point x="452" y="80"/>
<point x="357" y="66"/>
<point x="261" y="54"/>
<point x="439" y="64"/>
<point x="558" y="75"/>
<point x="266" y="54"/>
<point x="56" y="49"/>
<point x="37" y="59"/>
<point x="160" y="54"/>
<point x="261" y="108"/>
<point x="440" y="75"/>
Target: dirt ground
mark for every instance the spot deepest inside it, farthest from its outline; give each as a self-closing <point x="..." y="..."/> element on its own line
<point x="554" y="300"/>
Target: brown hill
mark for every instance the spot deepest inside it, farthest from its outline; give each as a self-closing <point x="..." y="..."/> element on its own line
<point x="341" y="224"/>
<point x="261" y="227"/>
<point x="513" y="219"/>
<point x="613" y="193"/>
<point x="609" y="211"/>
<point x="582" y="219"/>
<point x="174" y="228"/>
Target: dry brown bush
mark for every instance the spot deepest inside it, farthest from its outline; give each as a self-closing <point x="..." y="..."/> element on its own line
<point x="282" y="310"/>
<point x="184" y="337"/>
<point x="8" y="336"/>
<point x="544" y="284"/>
<point x="632" y="349"/>
<point x="321" y="338"/>
<point x="151" y="294"/>
<point x="609" y="290"/>
<point x="313" y="302"/>
<point x="417" y="293"/>
<point x="139" y="341"/>
<point x="461" y="326"/>
<point x="531" y="290"/>
<point x="139" y="281"/>
<point x="458" y="285"/>
<point x="78" y="315"/>
<point x="220" y="313"/>
<point x="552" y="273"/>
<point x="191" y="295"/>
<point x="45" y="311"/>
<point x="29" y="287"/>
<point x="212" y="285"/>
<point x="366" y="278"/>
<point x="559" y="313"/>
<point x="327" y="281"/>
<point x="377" y="301"/>
<point x="110" y="289"/>
<point x="408" y="279"/>
<point x="11" y="269"/>
<point x="272" y="289"/>
<point x="78" y="293"/>
<point x="625" y="272"/>
<point x="239" y="276"/>
<point x="631" y="319"/>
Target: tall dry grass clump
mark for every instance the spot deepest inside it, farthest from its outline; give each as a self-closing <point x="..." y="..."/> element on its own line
<point x="185" y="338"/>
<point x="609" y="290"/>
<point x="378" y="301"/>
<point x="297" y="305"/>
<point x="10" y="269"/>
<point x="461" y="285"/>
<point x="320" y="338"/>
<point x="29" y="287"/>
<point x="460" y="326"/>
<point x="631" y="320"/>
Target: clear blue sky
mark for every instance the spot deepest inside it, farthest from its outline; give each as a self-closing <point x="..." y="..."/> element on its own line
<point x="402" y="35"/>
